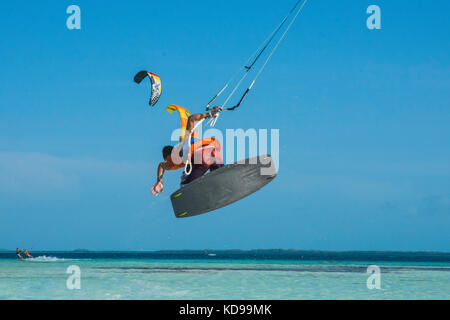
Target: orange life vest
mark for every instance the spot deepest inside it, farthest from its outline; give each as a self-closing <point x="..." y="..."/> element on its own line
<point x="205" y="142"/>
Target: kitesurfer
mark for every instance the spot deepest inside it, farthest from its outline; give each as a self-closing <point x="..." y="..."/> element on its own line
<point x="18" y="252"/>
<point x="27" y="253"/>
<point x="204" y="154"/>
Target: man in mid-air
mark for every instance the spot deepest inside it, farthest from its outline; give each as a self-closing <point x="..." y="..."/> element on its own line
<point x="203" y="154"/>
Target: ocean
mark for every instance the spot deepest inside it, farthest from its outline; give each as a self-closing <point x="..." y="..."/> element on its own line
<point x="265" y="274"/>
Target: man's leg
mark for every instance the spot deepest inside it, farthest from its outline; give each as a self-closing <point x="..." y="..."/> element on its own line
<point x="218" y="161"/>
<point x="197" y="171"/>
<point x="215" y="166"/>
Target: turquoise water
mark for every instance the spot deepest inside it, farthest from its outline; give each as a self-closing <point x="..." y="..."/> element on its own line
<point x="213" y="277"/>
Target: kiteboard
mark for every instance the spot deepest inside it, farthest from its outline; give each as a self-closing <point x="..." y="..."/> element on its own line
<point x="223" y="186"/>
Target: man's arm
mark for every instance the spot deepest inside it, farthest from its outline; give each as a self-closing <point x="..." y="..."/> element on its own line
<point x="197" y="117"/>
<point x="160" y="173"/>
<point x="193" y="119"/>
<point x="158" y="187"/>
<point x="161" y="168"/>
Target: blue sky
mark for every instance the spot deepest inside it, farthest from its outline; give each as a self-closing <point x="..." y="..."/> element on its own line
<point x="363" y="118"/>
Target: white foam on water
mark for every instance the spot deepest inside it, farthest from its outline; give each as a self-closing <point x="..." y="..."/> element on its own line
<point x="45" y="259"/>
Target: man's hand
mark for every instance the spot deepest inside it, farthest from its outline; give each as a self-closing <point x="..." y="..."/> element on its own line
<point x="215" y="110"/>
<point x="157" y="188"/>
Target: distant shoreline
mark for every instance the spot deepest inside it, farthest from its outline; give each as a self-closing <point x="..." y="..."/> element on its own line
<point x="242" y="255"/>
<point x="257" y="251"/>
